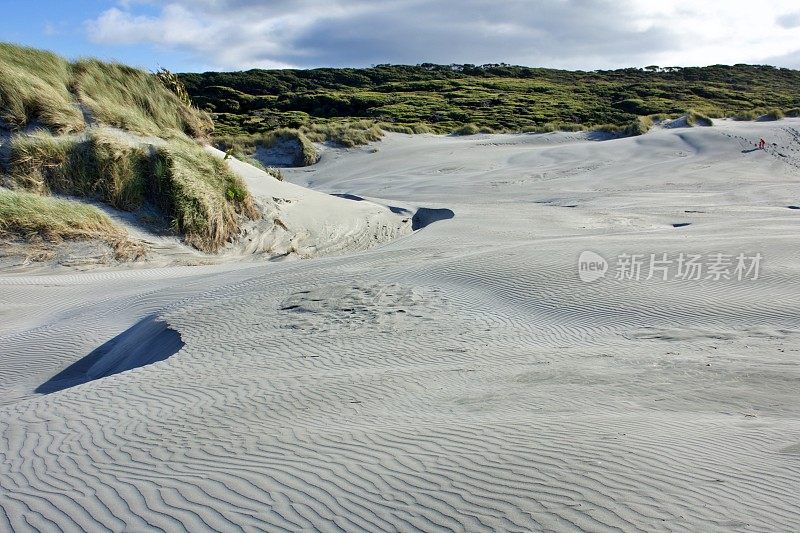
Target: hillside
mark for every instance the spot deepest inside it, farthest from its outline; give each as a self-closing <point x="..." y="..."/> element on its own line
<point x="500" y="98"/>
<point x="107" y="133"/>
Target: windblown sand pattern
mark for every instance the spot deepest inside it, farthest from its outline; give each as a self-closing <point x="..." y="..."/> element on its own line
<point x="460" y="378"/>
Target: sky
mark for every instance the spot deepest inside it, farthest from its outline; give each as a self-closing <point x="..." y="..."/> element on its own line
<point x="200" y="35"/>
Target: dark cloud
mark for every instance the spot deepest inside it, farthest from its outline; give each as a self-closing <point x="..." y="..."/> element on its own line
<point x="583" y="34"/>
<point x="538" y="32"/>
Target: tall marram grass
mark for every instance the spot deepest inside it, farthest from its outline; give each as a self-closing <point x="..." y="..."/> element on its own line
<point x="128" y="98"/>
<point x="203" y="196"/>
<point x="195" y="189"/>
<point x="38" y="88"/>
<point x="28" y="217"/>
<point x="98" y="166"/>
<point x="35" y="89"/>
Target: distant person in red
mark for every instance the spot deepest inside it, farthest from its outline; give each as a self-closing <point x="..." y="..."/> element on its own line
<point x="762" y="144"/>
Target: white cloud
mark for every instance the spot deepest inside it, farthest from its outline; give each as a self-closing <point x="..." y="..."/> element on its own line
<point x="588" y="34"/>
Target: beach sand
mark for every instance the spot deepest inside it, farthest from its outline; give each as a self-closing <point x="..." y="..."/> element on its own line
<point x="439" y="364"/>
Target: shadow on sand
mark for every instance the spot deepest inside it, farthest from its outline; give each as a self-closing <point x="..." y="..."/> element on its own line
<point x="426" y="216"/>
<point x="147" y="342"/>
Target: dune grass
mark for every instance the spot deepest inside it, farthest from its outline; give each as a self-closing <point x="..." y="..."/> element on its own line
<point x="34" y="89"/>
<point x="347" y="134"/>
<point x="38" y="88"/>
<point x="128" y="98"/>
<point x="695" y="118"/>
<point x="243" y="147"/>
<point x="200" y="193"/>
<point x="773" y="114"/>
<point x="63" y="118"/>
<point x="192" y="187"/>
<point x="31" y="217"/>
<point x="98" y="166"/>
<point x="466" y="129"/>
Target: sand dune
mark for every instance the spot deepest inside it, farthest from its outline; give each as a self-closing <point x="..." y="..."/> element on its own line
<point x="460" y="377"/>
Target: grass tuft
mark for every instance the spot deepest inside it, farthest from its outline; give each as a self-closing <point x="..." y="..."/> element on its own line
<point x="198" y="191"/>
<point x="772" y="114"/>
<point x="31" y="217"/>
<point x="694" y="118"/>
<point x="466" y="129"/>
<point x="131" y="99"/>
<point x="34" y="90"/>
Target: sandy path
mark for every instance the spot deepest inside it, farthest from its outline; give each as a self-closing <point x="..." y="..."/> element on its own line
<point x="460" y="378"/>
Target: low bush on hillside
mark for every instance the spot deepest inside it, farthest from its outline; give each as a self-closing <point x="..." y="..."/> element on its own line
<point x="502" y="97"/>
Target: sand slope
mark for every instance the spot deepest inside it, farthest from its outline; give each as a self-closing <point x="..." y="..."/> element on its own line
<point x="459" y="378"/>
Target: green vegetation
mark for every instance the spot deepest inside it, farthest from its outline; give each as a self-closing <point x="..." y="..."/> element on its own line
<point x="466" y="129"/>
<point x="773" y="114"/>
<point x="65" y="120"/>
<point x="30" y="217"/>
<point x="693" y="118"/>
<point x="121" y="96"/>
<point x="195" y="190"/>
<point x="501" y="98"/>
<point x="244" y="147"/>
<point x="34" y="89"/>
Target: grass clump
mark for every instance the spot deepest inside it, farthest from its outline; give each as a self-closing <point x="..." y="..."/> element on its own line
<point x="190" y="186"/>
<point x="773" y="114"/>
<point x="640" y="126"/>
<point x="408" y="129"/>
<point x="200" y="193"/>
<point x="466" y="129"/>
<point x="34" y="90"/>
<point x="745" y="115"/>
<point x="131" y="99"/>
<point x="694" y="118"/>
<point x="347" y="134"/>
<point x="99" y="166"/>
<point x="244" y="147"/>
<point x="31" y="217"/>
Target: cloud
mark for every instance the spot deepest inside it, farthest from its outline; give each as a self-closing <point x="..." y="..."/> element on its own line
<point x="790" y="20"/>
<point x="588" y="34"/>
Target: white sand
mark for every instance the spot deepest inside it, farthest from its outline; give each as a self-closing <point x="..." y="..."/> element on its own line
<point x="458" y="378"/>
